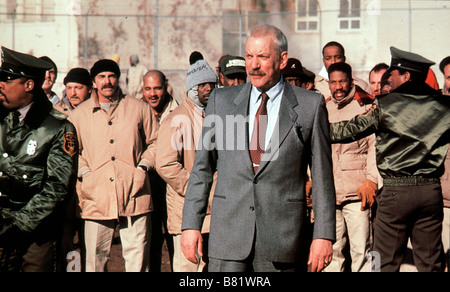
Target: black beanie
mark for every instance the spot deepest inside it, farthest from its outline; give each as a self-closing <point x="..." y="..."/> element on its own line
<point x="105" y="66"/>
<point x="79" y="75"/>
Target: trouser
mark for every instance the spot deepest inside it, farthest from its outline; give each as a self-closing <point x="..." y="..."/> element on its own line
<point x="446" y="236"/>
<point x="134" y="236"/>
<point x="353" y="228"/>
<point x="34" y="257"/>
<point x="414" y="212"/>
<point x="256" y="262"/>
<point x="181" y="263"/>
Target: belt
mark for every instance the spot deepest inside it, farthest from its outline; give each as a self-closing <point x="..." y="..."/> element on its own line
<point x="409" y="181"/>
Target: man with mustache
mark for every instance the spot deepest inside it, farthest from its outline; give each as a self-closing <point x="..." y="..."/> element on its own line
<point x="155" y="93"/>
<point x="259" y="204"/>
<point x="177" y="145"/>
<point x="117" y="137"/>
<point x="78" y="84"/>
<point x="355" y="174"/>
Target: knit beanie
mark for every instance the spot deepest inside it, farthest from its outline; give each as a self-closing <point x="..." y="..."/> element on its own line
<point x="199" y="72"/>
<point x="105" y="66"/>
<point x="79" y="75"/>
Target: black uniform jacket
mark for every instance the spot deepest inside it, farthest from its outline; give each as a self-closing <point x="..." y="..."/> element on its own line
<point x="38" y="165"/>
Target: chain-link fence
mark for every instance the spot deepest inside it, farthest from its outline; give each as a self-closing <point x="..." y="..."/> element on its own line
<point x="164" y="33"/>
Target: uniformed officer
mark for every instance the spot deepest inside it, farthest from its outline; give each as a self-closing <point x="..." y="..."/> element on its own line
<point x="38" y="161"/>
<point x="412" y="125"/>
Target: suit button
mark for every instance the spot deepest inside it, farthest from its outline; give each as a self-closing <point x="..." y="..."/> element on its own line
<point x="255" y="181"/>
<point x="113" y="159"/>
<point x="111" y="179"/>
<point x="252" y="208"/>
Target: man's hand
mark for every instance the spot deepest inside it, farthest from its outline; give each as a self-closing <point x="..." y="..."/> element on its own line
<point x="367" y="193"/>
<point x="192" y="245"/>
<point x="321" y="255"/>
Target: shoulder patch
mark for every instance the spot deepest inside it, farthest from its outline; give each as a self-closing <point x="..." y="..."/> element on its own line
<point x="374" y="107"/>
<point x="70" y="143"/>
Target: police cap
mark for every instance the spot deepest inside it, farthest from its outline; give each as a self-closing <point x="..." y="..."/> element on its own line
<point x="409" y="61"/>
<point x="16" y="65"/>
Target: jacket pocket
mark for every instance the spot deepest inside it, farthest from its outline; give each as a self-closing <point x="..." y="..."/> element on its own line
<point x="25" y="181"/>
<point x="353" y="176"/>
<point x="140" y="182"/>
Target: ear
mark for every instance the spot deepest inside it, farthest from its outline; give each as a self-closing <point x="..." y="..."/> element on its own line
<point x="283" y="60"/>
<point x="407" y="76"/>
<point x="29" y="85"/>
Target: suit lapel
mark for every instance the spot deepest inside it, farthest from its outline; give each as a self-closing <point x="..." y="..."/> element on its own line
<point x="286" y="120"/>
<point x="242" y="108"/>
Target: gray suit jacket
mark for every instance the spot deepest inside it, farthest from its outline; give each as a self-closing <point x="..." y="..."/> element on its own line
<point x="271" y="202"/>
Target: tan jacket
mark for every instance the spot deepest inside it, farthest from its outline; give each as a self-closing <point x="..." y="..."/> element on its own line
<point x="445" y="181"/>
<point x="112" y="145"/>
<point x="353" y="163"/>
<point x="177" y="142"/>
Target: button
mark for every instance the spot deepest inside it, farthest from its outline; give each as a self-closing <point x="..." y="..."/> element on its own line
<point x="25" y="177"/>
<point x="5" y="155"/>
<point x="1" y="173"/>
<point x="110" y="123"/>
<point x="252" y="208"/>
<point x="111" y="179"/>
<point x="111" y="141"/>
<point x="113" y="159"/>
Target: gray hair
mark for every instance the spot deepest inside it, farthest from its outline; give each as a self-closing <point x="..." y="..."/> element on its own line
<point x="280" y="39"/>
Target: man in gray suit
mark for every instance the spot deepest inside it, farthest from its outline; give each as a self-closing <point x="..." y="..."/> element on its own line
<point x="259" y="205"/>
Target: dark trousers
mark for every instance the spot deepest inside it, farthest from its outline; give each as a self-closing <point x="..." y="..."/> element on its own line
<point x="414" y="212"/>
<point x="257" y="262"/>
<point x="29" y="258"/>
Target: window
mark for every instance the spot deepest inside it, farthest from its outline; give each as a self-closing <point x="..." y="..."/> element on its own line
<point x="307" y="18"/>
<point x="28" y="10"/>
<point x="350" y="15"/>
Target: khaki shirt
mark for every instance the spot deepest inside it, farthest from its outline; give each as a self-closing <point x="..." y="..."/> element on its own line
<point x="112" y="145"/>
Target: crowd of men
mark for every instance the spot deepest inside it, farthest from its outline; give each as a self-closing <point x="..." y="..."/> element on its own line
<point x="324" y="169"/>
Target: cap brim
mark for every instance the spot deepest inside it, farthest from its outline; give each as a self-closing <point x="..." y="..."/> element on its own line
<point x="6" y="75"/>
<point x="234" y="71"/>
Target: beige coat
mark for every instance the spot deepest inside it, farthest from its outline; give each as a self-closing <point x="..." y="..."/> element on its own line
<point x="177" y="141"/>
<point x="112" y="145"/>
<point x="353" y="163"/>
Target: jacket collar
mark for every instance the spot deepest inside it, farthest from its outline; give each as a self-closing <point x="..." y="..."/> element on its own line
<point x="38" y="112"/>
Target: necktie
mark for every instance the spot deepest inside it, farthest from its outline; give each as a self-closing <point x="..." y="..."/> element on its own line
<point x="258" y="142"/>
<point x="15" y="119"/>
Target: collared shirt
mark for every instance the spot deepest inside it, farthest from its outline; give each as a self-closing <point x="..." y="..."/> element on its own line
<point x="23" y="112"/>
<point x="273" y="108"/>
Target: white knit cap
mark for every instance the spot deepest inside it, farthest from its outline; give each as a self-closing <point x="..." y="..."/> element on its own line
<point x="200" y="72"/>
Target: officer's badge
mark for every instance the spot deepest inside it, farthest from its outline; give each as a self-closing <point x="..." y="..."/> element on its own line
<point x="31" y="148"/>
<point x="70" y="144"/>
